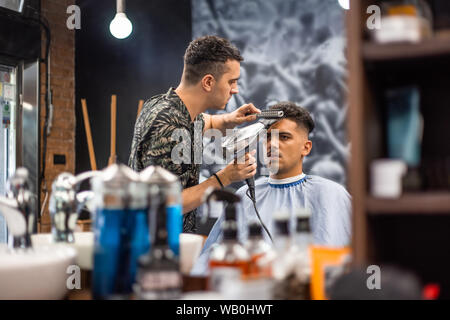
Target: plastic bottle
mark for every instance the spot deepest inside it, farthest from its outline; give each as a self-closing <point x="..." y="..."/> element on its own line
<point x="303" y="239"/>
<point x="257" y="249"/>
<point x="229" y="257"/>
<point x="170" y="187"/>
<point x="159" y="276"/>
<point x="283" y="264"/>
<point x="121" y="231"/>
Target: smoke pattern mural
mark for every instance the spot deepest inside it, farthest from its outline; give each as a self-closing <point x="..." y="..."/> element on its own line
<point x="293" y="50"/>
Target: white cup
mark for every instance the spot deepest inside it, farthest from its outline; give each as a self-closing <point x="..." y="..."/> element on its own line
<point x="386" y="177"/>
<point x="190" y="247"/>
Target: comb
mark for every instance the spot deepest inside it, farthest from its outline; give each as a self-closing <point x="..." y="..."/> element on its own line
<point x="270" y="114"/>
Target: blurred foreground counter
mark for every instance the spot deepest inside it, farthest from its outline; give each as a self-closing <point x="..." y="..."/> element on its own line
<point x="190" y="284"/>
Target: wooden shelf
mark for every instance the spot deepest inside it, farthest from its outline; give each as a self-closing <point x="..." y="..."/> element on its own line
<point x="372" y="69"/>
<point x="433" y="47"/>
<point x="411" y="203"/>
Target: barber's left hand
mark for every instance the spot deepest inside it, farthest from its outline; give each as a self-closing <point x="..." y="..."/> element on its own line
<point x="245" y="113"/>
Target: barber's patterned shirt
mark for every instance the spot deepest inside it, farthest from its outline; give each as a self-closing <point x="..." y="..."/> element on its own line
<point x="152" y="142"/>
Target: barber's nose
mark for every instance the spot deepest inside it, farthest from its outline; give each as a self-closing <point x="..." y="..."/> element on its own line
<point x="234" y="91"/>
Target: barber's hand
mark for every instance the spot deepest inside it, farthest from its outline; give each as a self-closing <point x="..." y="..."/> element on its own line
<point x="245" y="113"/>
<point x="239" y="171"/>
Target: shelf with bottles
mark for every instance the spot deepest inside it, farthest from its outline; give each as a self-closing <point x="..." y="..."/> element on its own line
<point x="408" y="121"/>
<point x="404" y="29"/>
<point x="377" y="71"/>
<point x="426" y="49"/>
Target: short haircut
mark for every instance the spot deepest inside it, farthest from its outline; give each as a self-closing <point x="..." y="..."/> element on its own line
<point x="207" y="55"/>
<point x="296" y="113"/>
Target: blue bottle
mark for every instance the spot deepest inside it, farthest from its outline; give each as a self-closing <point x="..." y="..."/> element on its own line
<point x="170" y="187"/>
<point x="121" y="231"/>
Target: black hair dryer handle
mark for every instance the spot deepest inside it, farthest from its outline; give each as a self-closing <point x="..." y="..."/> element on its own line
<point x="226" y="195"/>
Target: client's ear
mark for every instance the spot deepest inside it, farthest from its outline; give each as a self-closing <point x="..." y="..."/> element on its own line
<point x="306" y="148"/>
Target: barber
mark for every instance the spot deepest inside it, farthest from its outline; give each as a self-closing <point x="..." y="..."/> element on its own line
<point x="210" y="75"/>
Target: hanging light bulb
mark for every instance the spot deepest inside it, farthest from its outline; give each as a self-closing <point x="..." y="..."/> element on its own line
<point x="345" y="4"/>
<point x="120" y="26"/>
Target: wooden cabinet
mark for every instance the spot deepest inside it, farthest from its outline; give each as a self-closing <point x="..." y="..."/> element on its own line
<point x="413" y="231"/>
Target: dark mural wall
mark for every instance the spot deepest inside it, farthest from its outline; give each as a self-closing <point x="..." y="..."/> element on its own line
<point x="146" y="63"/>
<point x="293" y="50"/>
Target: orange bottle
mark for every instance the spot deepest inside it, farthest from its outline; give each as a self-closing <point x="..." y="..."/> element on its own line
<point x="258" y="249"/>
<point x="229" y="253"/>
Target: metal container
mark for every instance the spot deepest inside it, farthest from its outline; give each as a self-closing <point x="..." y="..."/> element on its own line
<point x="62" y="208"/>
<point x="18" y="189"/>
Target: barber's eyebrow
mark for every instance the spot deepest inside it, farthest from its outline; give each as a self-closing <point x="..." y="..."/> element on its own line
<point x="235" y="79"/>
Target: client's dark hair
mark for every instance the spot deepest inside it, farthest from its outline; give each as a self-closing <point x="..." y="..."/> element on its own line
<point x="296" y="113"/>
<point x="207" y="55"/>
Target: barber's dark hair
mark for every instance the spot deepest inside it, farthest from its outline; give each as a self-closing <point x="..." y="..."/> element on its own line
<point x="296" y="113"/>
<point x="207" y="55"/>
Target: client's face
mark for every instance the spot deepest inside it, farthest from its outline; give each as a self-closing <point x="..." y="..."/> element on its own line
<point x="287" y="149"/>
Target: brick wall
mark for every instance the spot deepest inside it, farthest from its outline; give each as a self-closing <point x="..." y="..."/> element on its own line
<point x="62" y="81"/>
